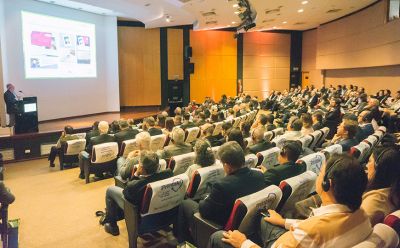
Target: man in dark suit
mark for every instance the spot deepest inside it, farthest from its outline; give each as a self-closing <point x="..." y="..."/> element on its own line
<point x="92" y="133"/>
<point x="287" y="167"/>
<point x="313" y="99"/>
<point x="345" y="135"/>
<point x="317" y="121"/>
<point x="186" y="122"/>
<point x="333" y="117"/>
<point x="207" y="132"/>
<point x="65" y="136"/>
<point x="145" y="173"/>
<point x="11" y="99"/>
<point x="217" y="206"/>
<point x="366" y="128"/>
<point x="149" y="125"/>
<point x="259" y="143"/>
<point x="104" y="137"/>
<point x="126" y="132"/>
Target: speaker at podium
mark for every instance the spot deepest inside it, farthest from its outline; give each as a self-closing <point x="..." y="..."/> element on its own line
<point x="26" y="117"/>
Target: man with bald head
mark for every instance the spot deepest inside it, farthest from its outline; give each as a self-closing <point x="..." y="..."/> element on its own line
<point x="11" y="99"/>
<point x="259" y="143"/>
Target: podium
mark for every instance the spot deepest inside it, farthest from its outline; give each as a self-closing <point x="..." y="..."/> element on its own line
<point x="26" y="116"/>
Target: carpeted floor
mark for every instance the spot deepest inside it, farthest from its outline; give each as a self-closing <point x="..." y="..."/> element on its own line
<point x="56" y="209"/>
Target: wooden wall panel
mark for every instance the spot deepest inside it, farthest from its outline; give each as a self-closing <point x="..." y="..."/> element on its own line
<point x="266" y="62"/>
<point x="139" y="66"/>
<point x="175" y="54"/>
<point x="215" y="59"/>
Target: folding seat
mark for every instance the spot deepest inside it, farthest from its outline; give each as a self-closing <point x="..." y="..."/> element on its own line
<point x="268" y="158"/>
<point x="192" y="134"/>
<point x="250" y="160"/>
<point x="244" y="216"/>
<point x="278" y="131"/>
<point x="306" y="141"/>
<point x="70" y="150"/>
<point x="128" y="146"/>
<point x="268" y="136"/>
<point x="158" y="209"/>
<point x="157" y="142"/>
<point x="316" y="136"/>
<point x="103" y="159"/>
<point x="333" y="149"/>
<point x="236" y="122"/>
<point x="163" y="165"/>
<point x="279" y="141"/>
<point x="202" y="180"/>
<point x="325" y="132"/>
<point x="215" y="150"/>
<point x="393" y="220"/>
<point x="179" y="164"/>
<point x="295" y="189"/>
<point x="248" y="141"/>
<point x="382" y="236"/>
<point x="360" y="151"/>
<point x="218" y="128"/>
<point x="313" y="162"/>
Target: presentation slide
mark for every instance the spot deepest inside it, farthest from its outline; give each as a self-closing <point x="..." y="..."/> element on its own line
<point x="58" y="48"/>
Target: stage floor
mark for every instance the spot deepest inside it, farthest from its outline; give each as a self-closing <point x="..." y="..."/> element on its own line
<point x="87" y="121"/>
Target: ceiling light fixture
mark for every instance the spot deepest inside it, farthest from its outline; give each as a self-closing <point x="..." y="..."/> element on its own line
<point x="300" y="10"/>
<point x="236" y="12"/>
<point x="284" y="22"/>
<point x="233" y="22"/>
<point x="235" y="5"/>
<point x="168" y="18"/>
<point x="304" y="2"/>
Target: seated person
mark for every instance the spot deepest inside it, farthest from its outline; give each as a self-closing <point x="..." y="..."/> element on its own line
<point x="383" y="191"/>
<point x="92" y="133"/>
<point x="260" y="122"/>
<point x="339" y="221"/>
<point x="204" y="157"/>
<point x="217" y="206"/>
<point x="186" y="122"/>
<point x="236" y="135"/>
<point x="317" y="121"/>
<point x="65" y="136"/>
<point x="202" y="120"/>
<point x="259" y="143"/>
<point x="161" y="121"/>
<point x="226" y="127"/>
<point x="333" y="117"/>
<point x="307" y="124"/>
<point x="293" y="129"/>
<point x="287" y="167"/>
<point x="345" y="135"/>
<point x="366" y="128"/>
<point x="177" y="145"/>
<point x="104" y="137"/>
<point x="245" y="128"/>
<point x="125" y="165"/>
<point x="270" y="122"/>
<point x="149" y="125"/>
<point x="207" y="133"/>
<point x="125" y="133"/>
<point x="145" y="173"/>
<point x="169" y="125"/>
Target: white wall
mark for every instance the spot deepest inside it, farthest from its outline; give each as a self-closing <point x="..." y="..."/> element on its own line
<point x="58" y="98"/>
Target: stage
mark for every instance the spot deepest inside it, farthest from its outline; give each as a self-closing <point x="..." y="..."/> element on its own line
<point x="21" y="147"/>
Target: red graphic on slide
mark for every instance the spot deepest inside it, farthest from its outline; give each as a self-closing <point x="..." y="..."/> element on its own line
<point x="41" y="39"/>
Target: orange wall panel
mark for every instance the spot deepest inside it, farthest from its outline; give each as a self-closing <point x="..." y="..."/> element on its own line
<point x="175" y="53"/>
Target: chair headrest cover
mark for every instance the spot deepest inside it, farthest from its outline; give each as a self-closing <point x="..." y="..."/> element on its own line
<point x="74" y="147"/>
<point x="270" y="157"/>
<point x="129" y="146"/>
<point x="104" y="152"/>
<point x="182" y="162"/>
<point x="251" y="160"/>
<point x="334" y="149"/>
<point x="314" y="161"/>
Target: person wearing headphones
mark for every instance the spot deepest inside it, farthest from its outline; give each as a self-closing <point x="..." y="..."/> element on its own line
<point x="339" y="220"/>
<point x="287" y="167"/>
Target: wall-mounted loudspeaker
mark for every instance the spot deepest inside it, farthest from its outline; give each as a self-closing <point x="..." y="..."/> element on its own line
<point x="188" y="52"/>
<point x="191" y="68"/>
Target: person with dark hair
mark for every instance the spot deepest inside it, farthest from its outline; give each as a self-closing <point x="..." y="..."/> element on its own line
<point x="345" y="135"/>
<point x="245" y="128"/>
<point x="364" y="122"/>
<point x="186" y="122"/>
<point x="202" y="119"/>
<point x="333" y="117"/>
<point x="221" y="116"/>
<point x="317" y="121"/>
<point x="306" y="119"/>
<point x="260" y="122"/>
<point x="339" y="221"/>
<point x="207" y="133"/>
<point x="145" y="173"/>
<point x="236" y="135"/>
<point x="293" y="129"/>
<point x="270" y="122"/>
<point x="93" y="133"/>
<point x="66" y="135"/>
<point x="287" y="167"/>
<point x="149" y="125"/>
<point x="161" y="121"/>
<point x="204" y="157"/>
<point x="217" y="206"/>
<point x="258" y="142"/>
<point x="383" y="192"/>
<point x="125" y="133"/>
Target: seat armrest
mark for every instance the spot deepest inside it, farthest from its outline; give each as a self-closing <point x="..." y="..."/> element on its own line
<point x="203" y="229"/>
<point x="119" y="182"/>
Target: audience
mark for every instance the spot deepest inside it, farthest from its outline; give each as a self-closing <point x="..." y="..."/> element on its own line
<point x="366" y="128"/>
<point x="235" y="135"/>
<point x="317" y="121"/>
<point x="125" y="133"/>
<point x="66" y="135"/>
<point x="177" y="145"/>
<point x="345" y="135"/>
<point x="258" y="142"/>
<point x="293" y="129"/>
<point x="307" y="124"/>
<point x="149" y="125"/>
<point x="207" y="133"/>
<point x="186" y="122"/>
<point x="161" y="121"/>
<point x="204" y="157"/>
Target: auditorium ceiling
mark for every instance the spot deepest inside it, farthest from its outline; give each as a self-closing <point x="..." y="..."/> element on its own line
<point x="216" y="14"/>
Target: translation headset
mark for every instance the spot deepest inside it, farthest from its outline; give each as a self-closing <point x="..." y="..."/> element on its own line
<point x="326" y="185"/>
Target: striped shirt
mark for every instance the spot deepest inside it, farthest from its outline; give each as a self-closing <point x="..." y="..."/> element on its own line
<point x="332" y="225"/>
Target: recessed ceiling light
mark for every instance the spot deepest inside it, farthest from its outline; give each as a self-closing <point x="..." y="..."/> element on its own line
<point x="235" y="5"/>
<point x="236" y="12"/>
<point x="304" y="2"/>
<point x="233" y="22"/>
<point x="284" y="22"/>
<point x="300" y="10"/>
<point x="274" y="27"/>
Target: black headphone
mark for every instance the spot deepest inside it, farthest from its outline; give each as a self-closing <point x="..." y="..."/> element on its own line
<point x="326" y="185"/>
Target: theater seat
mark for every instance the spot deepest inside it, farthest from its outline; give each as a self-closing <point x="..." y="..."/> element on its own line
<point x="236" y="122"/>
<point x="159" y="207"/>
<point x="157" y="142"/>
<point x="268" y="158"/>
<point x="360" y="151"/>
<point x="128" y="146"/>
<point x="306" y="141"/>
<point x="333" y="149"/>
<point x="279" y="141"/>
<point x="250" y="160"/>
<point x="295" y="189"/>
<point x="324" y="133"/>
<point x="382" y="236"/>
<point x="393" y="220"/>
<point x="316" y="137"/>
<point x="103" y="159"/>
<point x="203" y="179"/>
<point x="70" y="150"/>
<point x="218" y="128"/>
<point x="245" y="215"/>
<point x="313" y="162"/>
<point x="278" y="131"/>
<point x="268" y="136"/>
<point x="179" y="164"/>
<point x="80" y="135"/>
<point x="192" y="134"/>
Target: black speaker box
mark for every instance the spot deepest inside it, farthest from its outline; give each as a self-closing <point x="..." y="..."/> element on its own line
<point x="188" y="51"/>
<point x="191" y="68"/>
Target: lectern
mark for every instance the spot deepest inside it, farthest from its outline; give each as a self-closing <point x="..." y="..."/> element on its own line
<point x="26" y="117"/>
